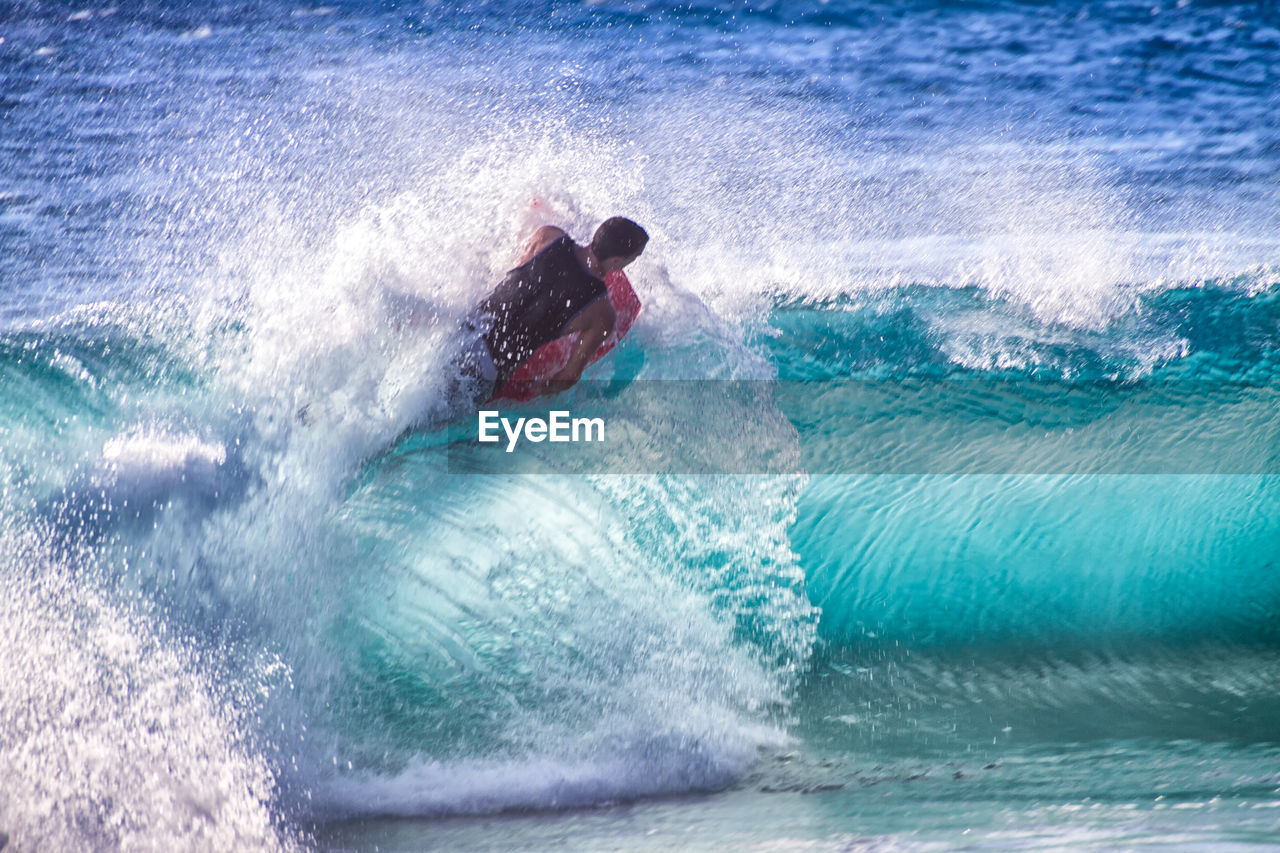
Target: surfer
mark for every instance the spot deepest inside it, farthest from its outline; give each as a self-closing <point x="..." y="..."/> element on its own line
<point x="556" y="289"/>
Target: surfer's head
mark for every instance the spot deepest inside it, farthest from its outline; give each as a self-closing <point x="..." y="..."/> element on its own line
<point x="617" y="242"/>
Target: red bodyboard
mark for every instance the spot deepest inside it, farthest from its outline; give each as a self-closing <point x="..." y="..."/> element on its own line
<point x="550" y="358"/>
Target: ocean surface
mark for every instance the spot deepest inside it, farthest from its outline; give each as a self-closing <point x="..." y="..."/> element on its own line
<point x="1016" y="590"/>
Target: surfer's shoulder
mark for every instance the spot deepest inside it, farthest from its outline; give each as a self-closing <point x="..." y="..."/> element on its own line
<point x="548" y="234"/>
<point x="541" y="239"/>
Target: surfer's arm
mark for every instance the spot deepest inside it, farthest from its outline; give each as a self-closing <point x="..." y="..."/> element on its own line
<point x="543" y="237"/>
<point x="594" y="325"/>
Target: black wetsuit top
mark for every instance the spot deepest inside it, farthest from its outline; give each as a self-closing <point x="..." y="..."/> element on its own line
<point x="534" y="303"/>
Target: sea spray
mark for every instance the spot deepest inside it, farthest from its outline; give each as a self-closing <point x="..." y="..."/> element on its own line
<point x="112" y="734"/>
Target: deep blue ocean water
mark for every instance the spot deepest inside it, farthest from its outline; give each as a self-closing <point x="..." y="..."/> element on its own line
<point x="1018" y="591"/>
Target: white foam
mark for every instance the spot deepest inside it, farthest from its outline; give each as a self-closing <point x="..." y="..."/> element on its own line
<point x="110" y="736"/>
<point x="150" y="466"/>
<point x="432" y="788"/>
<point x="161" y="455"/>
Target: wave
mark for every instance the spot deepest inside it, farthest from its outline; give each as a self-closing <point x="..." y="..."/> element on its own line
<point x="266" y="473"/>
<point x="263" y="468"/>
<point x="1126" y="475"/>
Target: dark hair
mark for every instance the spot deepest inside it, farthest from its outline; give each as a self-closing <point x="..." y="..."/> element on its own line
<point x="618" y="237"/>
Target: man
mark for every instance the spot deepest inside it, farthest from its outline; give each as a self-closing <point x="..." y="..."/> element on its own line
<point x="556" y="289"/>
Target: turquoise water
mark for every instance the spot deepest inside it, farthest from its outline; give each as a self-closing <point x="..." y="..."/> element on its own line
<point x="980" y="303"/>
